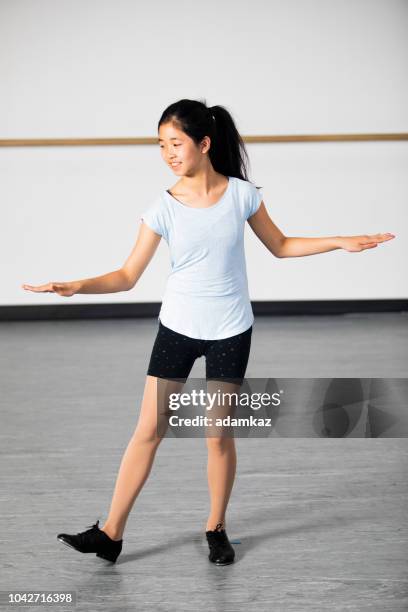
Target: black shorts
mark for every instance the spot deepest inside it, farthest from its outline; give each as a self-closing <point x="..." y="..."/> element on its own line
<point x="174" y="354"/>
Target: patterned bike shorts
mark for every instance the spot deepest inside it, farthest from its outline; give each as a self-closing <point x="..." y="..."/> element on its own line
<point x="174" y="354"/>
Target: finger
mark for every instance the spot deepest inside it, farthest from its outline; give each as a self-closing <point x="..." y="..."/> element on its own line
<point x="37" y="288"/>
<point x="370" y="245"/>
<point x="381" y="237"/>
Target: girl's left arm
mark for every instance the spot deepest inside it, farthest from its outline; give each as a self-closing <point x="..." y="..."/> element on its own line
<point x="283" y="246"/>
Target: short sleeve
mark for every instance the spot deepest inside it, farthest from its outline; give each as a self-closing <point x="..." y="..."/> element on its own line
<point x="254" y="200"/>
<point x="155" y="217"/>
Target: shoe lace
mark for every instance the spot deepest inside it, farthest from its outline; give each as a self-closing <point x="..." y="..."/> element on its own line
<point x="218" y="528"/>
<point x="94" y="526"/>
<point x="217" y="537"/>
<point x="86" y="536"/>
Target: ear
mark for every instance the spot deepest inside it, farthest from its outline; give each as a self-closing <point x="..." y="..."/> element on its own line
<point x="205" y="144"/>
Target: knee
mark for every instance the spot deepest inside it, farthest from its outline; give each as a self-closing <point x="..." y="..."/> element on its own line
<point x="150" y="438"/>
<point x="219" y="444"/>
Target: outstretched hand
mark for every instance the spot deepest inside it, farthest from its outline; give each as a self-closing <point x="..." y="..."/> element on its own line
<point x="359" y="243"/>
<point x="64" y="289"/>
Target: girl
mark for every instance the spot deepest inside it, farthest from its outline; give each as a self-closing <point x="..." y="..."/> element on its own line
<point x="206" y="309"/>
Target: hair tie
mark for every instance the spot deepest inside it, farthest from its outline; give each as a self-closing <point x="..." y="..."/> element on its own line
<point x="213" y="117"/>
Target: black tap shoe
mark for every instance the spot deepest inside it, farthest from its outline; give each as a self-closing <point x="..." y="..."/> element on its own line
<point x="94" y="540"/>
<point x="221" y="551"/>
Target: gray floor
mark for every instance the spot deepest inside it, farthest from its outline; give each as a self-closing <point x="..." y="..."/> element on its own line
<point x="322" y="523"/>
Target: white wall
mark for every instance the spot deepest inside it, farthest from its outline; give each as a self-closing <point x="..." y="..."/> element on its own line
<point x="97" y="68"/>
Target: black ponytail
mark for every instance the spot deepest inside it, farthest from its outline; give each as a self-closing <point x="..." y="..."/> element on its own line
<point x="227" y="152"/>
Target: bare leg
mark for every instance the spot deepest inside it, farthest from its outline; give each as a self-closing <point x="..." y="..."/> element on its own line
<point x="222" y="459"/>
<point x="137" y="461"/>
<point x="221" y="470"/>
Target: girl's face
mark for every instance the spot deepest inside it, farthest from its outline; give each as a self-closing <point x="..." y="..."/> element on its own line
<point x="179" y="151"/>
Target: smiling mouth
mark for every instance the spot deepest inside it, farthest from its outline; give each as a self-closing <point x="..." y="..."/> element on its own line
<point x="175" y="165"/>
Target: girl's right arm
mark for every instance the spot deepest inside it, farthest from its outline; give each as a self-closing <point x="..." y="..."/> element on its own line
<point x="119" y="280"/>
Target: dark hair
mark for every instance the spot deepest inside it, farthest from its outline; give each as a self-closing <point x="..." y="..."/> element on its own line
<point x="227" y="152"/>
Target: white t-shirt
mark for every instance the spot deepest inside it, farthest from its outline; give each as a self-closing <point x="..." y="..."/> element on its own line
<point x="206" y="295"/>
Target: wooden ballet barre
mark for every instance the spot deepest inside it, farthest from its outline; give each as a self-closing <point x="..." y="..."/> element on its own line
<point x="86" y="142"/>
